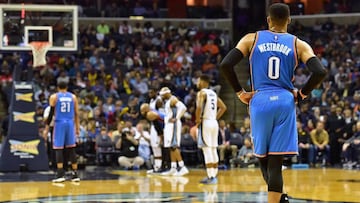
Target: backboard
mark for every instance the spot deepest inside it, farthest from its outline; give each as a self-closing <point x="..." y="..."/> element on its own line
<point x="21" y="24"/>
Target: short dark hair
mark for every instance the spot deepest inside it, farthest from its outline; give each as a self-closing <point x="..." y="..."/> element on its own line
<point x="279" y="12"/>
<point x="62" y="85"/>
<point x="205" y="78"/>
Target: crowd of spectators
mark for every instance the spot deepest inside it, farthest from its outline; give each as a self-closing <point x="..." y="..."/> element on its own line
<point x="116" y="67"/>
<point x="330" y="116"/>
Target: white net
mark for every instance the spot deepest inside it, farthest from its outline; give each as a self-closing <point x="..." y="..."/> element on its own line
<point x="39" y="50"/>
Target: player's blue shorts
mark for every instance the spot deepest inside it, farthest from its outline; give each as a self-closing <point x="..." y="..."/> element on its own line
<point x="273" y="123"/>
<point x="64" y="134"/>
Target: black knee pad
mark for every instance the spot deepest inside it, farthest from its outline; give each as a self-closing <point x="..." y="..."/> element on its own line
<point x="275" y="182"/>
<point x="59" y="154"/>
<point x="72" y="155"/>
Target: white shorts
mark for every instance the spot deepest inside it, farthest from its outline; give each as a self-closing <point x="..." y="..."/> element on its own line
<point x="172" y="134"/>
<point x="155" y="140"/>
<point x="208" y="133"/>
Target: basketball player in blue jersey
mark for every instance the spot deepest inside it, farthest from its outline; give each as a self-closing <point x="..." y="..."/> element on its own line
<point x="273" y="56"/>
<point x="156" y="118"/>
<point x="64" y="107"/>
<point x="209" y="109"/>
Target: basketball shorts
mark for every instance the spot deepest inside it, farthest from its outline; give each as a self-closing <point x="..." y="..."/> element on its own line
<point x="208" y="133"/>
<point x="155" y="139"/>
<point x="273" y="123"/>
<point x="172" y="134"/>
<point x="64" y="134"/>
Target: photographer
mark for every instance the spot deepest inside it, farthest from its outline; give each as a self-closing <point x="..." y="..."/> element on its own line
<point x="128" y="145"/>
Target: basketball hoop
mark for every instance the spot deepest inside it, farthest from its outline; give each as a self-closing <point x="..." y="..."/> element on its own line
<point x="39" y="50"/>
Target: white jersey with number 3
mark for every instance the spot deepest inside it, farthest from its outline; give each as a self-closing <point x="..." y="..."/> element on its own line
<point x="209" y="110"/>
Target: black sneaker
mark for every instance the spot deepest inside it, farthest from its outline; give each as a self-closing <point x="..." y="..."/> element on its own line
<point x="284" y="198"/>
<point x="74" y="177"/>
<point x="59" y="177"/>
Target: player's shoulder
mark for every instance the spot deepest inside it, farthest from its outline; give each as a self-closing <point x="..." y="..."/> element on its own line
<point x="53" y="96"/>
<point x="249" y="37"/>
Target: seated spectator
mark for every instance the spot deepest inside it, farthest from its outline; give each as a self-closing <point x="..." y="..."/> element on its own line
<point x="143" y="136"/>
<point x="246" y="155"/>
<point x="128" y="145"/>
<point x="224" y="144"/>
<point x="351" y="149"/>
<point x="306" y="149"/>
<point x="320" y="139"/>
<point x="104" y="144"/>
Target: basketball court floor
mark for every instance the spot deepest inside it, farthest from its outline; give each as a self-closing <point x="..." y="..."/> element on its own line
<point x="106" y="184"/>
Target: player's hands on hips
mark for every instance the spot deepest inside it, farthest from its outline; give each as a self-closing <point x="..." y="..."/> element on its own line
<point x="197" y="122"/>
<point x="245" y="96"/>
<point x="172" y="120"/>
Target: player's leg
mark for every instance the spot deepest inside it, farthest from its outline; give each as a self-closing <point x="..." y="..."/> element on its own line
<point x="157" y="158"/>
<point x="58" y="147"/>
<point x="183" y="170"/>
<point x="275" y="179"/>
<point x="168" y="143"/>
<point x="70" y="143"/>
<point x="155" y="142"/>
<point x="262" y="116"/>
<point x="283" y="142"/>
<point x="213" y="130"/>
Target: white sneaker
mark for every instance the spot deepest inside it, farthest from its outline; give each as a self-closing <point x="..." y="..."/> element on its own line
<point x="183" y="171"/>
<point x="170" y="172"/>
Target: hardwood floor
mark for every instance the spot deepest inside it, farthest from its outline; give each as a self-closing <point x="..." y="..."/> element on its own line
<point x="100" y="184"/>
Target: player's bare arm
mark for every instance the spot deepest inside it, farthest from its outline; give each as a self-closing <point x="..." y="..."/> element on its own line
<point x="181" y="109"/>
<point x="245" y="44"/>
<point x="307" y="56"/>
<point x="200" y="99"/>
<point x="77" y="122"/>
<point x="221" y="108"/>
<point x="241" y="50"/>
<point x="151" y="116"/>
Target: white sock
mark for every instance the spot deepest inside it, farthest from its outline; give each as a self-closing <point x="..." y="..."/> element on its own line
<point x="173" y="165"/>
<point x="181" y="163"/>
<point x="157" y="164"/>
<point x="215" y="172"/>
<point x="209" y="172"/>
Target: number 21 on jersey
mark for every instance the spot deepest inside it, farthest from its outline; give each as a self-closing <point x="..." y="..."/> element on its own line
<point x="65" y="107"/>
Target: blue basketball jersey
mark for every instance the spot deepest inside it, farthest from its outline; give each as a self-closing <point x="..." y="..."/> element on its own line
<point x="278" y="56"/>
<point x="64" y="107"/>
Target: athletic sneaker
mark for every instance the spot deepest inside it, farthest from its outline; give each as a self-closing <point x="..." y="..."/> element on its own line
<point x="59" y="177"/>
<point x="170" y="172"/>
<point x="284" y="198"/>
<point x="183" y="171"/>
<point x="204" y="180"/>
<point x="209" y="181"/>
<point x="74" y="177"/>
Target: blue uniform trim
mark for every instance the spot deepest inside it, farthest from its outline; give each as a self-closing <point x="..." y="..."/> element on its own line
<point x="174" y="136"/>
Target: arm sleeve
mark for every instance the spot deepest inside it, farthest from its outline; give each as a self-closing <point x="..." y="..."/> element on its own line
<point x="318" y="75"/>
<point x="181" y="109"/>
<point x="227" y="68"/>
<point x="49" y="119"/>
